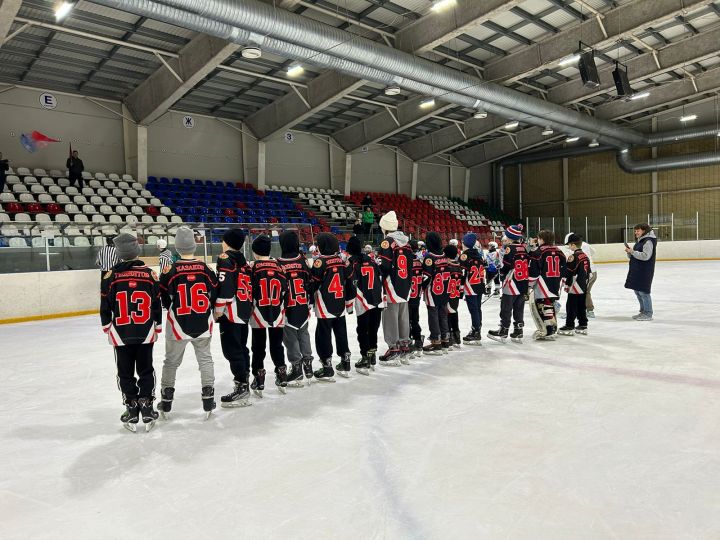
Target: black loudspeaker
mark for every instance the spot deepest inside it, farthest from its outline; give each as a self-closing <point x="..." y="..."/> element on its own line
<point x="622" y="84"/>
<point x="588" y="69"/>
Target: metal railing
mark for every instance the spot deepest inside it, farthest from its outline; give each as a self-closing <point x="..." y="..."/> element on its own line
<point x="51" y="246"/>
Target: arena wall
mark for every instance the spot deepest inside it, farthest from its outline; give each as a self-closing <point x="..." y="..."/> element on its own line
<point x="41" y="295"/>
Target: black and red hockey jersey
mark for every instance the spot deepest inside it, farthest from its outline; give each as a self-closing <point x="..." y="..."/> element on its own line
<point x="269" y="292"/>
<point x="188" y="289"/>
<point x="436" y="277"/>
<point x="299" y="287"/>
<point x="396" y="257"/>
<point x="515" y="270"/>
<point x="234" y="296"/>
<point x="417" y="281"/>
<point x="130" y="308"/>
<point x="577" y="272"/>
<point x="454" y="286"/>
<point x="547" y="268"/>
<point x="473" y="266"/>
<point x="366" y="278"/>
<point x="329" y="274"/>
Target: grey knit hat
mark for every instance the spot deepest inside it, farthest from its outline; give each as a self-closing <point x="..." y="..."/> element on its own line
<point x="126" y="246"/>
<point x="185" y="241"/>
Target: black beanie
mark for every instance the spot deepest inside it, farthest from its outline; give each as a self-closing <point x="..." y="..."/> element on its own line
<point x="234" y="238"/>
<point x="354" y="246"/>
<point x="289" y="244"/>
<point x="327" y="244"/>
<point x="434" y="243"/>
<point x="261" y="246"/>
<point x="450" y="251"/>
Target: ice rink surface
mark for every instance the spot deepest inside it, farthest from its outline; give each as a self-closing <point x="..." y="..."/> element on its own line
<point x="611" y="435"/>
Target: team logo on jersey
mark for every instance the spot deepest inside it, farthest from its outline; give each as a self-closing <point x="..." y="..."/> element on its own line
<point x="271" y="273"/>
<point x="223" y="256"/>
<point x="507" y="250"/>
<point x="463" y="257"/>
<point x="293" y="274"/>
<point x="191" y="277"/>
<point x="107" y="274"/>
<point x="428" y="262"/>
<point x="154" y="275"/>
<point x="385" y="244"/>
<point x="318" y="263"/>
<point x="132" y="284"/>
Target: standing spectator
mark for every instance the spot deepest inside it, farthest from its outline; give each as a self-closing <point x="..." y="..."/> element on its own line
<point x="589" y="251"/>
<point x="358" y="229"/>
<point x="107" y="257"/>
<point x="368" y="218"/>
<point x="166" y="256"/>
<point x="642" y="269"/>
<point x="75" y="169"/>
<point x="4" y="168"/>
<point x="367" y="200"/>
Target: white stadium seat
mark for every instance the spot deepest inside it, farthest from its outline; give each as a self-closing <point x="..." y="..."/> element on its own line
<point x="62" y="199"/>
<point x="38" y="241"/>
<point x="23" y="171"/>
<point x="87" y="175"/>
<point x="175" y="219"/>
<point x="121" y="210"/>
<point x="165" y="211"/>
<point x="89" y="209"/>
<point x="19" y="188"/>
<point x="4" y="217"/>
<point x="122" y="185"/>
<point x="63" y="182"/>
<point x="131" y="220"/>
<point x="98" y="241"/>
<point x="113" y="176"/>
<point x="137" y="186"/>
<point x="17" y="242"/>
<point x="62" y="218"/>
<point x="127" y="201"/>
<point x="39" y="172"/>
<point x="128" y="177"/>
<point x="55" y="173"/>
<point x="71" y="209"/>
<point x="42" y="218"/>
<point x="112" y="201"/>
<point x="98" y="218"/>
<point x="136" y="210"/>
<point x="147" y="219"/>
<point x="21" y="216"/>
<point x="80" y="199"/>
<point x="109" y="184"/>
<point x="162" y="219"/>
<point x="103" y="192"/>
<point x="100" y="176"/>
<point x="47" y="181"/>
<point x="27" y="198"/>
<point x="44" y="198"/>
<point x="88" y="191"/>
<point x="114" y="218"/>
<point x="72" y="190"/>
<point x="95" y="200"/>
<point x="80" y="218"/>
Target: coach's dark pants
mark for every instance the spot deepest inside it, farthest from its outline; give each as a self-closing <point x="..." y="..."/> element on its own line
<point x="233" y="339"/>
<point x="132" y="359"/>
<point x="323" y="337"/>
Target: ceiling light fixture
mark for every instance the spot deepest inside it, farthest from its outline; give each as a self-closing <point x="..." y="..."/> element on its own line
<point x="572" y="139"/>
<point x="295" y="70"/>
<point x="640" y="95"/>
<point x="63" y="9"/>
<point x="512" y="124"/>
<point x="393" y="90"/>
<point x="480" y="114"/>
<point x="251" y="52"/>
<point x="427" y="103"/>
<point x="547" y="131"/>
<point x="594" y="143"/>
<point x="688" y="117"/>
<point x="440" y="5"/>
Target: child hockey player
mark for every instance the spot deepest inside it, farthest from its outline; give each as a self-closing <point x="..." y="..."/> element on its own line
<point x="454" y="295"/>
<point x="493" y="269"/>
<point x="131" y="316"/>
<point x="395" y="262"/>
<point x="547" y="267"/>
<point x="329" y="275"/>
<point x="269" y="290"/>
<point x="577" y="274"/>
<point x="365" y="275"/>
<point x="188" y="289"/>
<point x="473" y="265"/>
<point x="232" y="310"/>
<point x="514" y="275"/>
<point x="296" y="334"/>
<point x="415" y="296"/>
<point x="435" y="285"/>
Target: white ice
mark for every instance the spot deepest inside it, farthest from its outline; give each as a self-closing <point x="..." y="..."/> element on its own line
<point x="611" y="435"/>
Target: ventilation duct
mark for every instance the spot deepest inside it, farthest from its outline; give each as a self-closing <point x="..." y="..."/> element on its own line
<point x="629" y="165"/>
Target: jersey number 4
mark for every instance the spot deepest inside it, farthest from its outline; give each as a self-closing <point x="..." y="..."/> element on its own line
<point x="140" y="301"/>
<point x="336" y="287"/>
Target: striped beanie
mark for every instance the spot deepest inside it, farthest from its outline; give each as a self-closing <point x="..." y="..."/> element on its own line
<point x="514" y="232"/>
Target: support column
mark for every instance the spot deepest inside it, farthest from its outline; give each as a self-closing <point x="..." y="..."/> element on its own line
<point x="142" y="154"/>
<point x="348" y="174"/>
<point x="397" y="171"/>
<point x="654" y="176"/>
<point x="249" y="156"/>
<point x="129" y="143"/>
<point x="466" y="191"/>
<point x="520" y="182"/>
<point x="413" y="186"/>
<point x="566" y="188"/>
<point x="337" y="166"/>
<point x="261" y="166"/>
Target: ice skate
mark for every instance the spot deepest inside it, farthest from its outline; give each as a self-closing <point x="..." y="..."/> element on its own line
<point x="539" y="335"/>
<point x="445" y="344"/>
<point x="326" y="372"/>
<point x="390" y="358"/>
<point x="500" y="335"/>
<point x="281" y="379"/>
<point x="166" y="399"/>
<point x="307" y="368"/>
<point x="456" y="340"/>
<point x="473" y="338"/>
<point x="208" y="400"/>
<point x="566" y="330"/>
<point x="406" y="353"/>
<point x="496" y="292"/>
<point x="258" y="384"/>
<point x="582" y="330"/>
<point x="434" y="349"/>
<point x="591" y="313"/>
<point x="149" y="414"/>
<point x="239" y="397"/>
<point x="295" y="377"/>
<point x="417" y="346"/>
<point x="343" y="366"/>
<point x="362" y="366"/>
<point x="373" y="360"/>
<point x="517" y="334"/>
<point x="131" y="416"/>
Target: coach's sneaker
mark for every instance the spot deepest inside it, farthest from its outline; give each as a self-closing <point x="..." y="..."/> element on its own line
<point x="645" y="317"/>
<point x="499" y="335"/>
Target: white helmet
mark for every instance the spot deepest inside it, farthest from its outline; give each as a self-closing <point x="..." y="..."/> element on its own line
<point x="313" y="248"/>
<point x="161" y="244"/>
<point x="492" y="244"/>
<point x="453" y="242"/>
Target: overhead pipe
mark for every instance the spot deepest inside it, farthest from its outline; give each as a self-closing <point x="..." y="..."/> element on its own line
<point x="265" y="21"/>
<point x="195" y="22"/>
<point x="629" y="165"/>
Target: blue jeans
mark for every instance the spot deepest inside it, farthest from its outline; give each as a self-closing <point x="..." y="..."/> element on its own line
<point x="645" y="302"/>
<point x="473" y="304"/>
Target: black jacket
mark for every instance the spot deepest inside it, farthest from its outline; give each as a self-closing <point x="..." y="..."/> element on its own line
<point x="188" y="290"/>
<point x="75" y="166"/>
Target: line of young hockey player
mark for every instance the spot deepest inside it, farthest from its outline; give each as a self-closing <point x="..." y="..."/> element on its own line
<point x="273" y="300"/>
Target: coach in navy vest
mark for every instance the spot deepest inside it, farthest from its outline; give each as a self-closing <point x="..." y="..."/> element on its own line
<point x="642" y="269"/>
